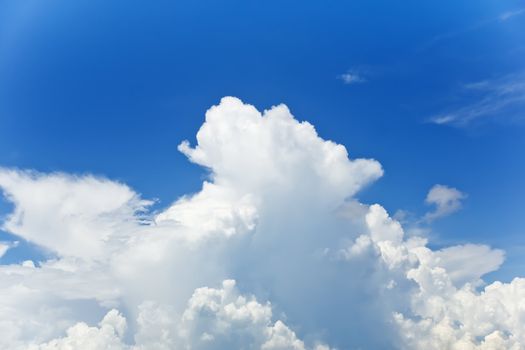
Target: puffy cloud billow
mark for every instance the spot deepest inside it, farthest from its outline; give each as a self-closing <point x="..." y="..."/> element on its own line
<point x="274" y="252"/>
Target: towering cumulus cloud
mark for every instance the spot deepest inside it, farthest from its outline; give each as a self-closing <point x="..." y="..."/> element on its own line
<point x="272" y="253"/>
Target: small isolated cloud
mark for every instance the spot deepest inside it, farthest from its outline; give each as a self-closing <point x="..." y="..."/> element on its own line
<point x="352" y="77"/>
<point x="500" y="99"/>
<point x="447" y="200"/>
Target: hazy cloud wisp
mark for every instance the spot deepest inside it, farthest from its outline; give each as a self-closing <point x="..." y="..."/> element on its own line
<point x="498" y="100"/>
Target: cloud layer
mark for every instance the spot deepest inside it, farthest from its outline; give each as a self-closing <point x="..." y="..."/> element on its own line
<point x="272" y="253"/>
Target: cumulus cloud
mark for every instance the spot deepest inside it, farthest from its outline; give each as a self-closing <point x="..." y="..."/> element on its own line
<point x="272" y="253"/>
<point x="467" y="263"/>
<point x="81" y="336"/>
<point x="447" y="200"/>
<point x="446" y="310"/>
<point x="68" y="215"/>
<point x="213" y="319"/>
<point x="224" y="319"/>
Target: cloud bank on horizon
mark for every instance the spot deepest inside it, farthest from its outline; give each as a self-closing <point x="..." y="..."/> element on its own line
<point x="274" y="252"/>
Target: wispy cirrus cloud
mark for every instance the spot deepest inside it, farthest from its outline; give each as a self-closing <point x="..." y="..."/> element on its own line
<point x="445" y="36"/>
<point x="509" y="14"/>
<point x="497" y="99"/>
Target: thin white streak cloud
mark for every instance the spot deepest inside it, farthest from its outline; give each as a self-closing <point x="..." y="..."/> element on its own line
<point x="500" y="99"/>
<point x="473" y="27"/>
<point x="505" y="16"/>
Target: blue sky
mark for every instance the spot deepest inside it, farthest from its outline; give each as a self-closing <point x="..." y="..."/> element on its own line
<point x="435" y="91"/>
<point x="112" y="89"/>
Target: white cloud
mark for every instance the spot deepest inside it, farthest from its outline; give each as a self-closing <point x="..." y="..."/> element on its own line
<point x="247" y="151"/>
<point x="69" y="215"/>
<point x="214" y="210"/>
<point x="277" y="216"/>
<point x="499" y="99"/>
<point x="214" y="319"/>
<point x="224" y="319"/>
<point x="352" y="77"/>
<point x="81" y="336"/>
<point x="445" y="309"/>
<point x="467" y="263"/>
<point x="447" y="200"/>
